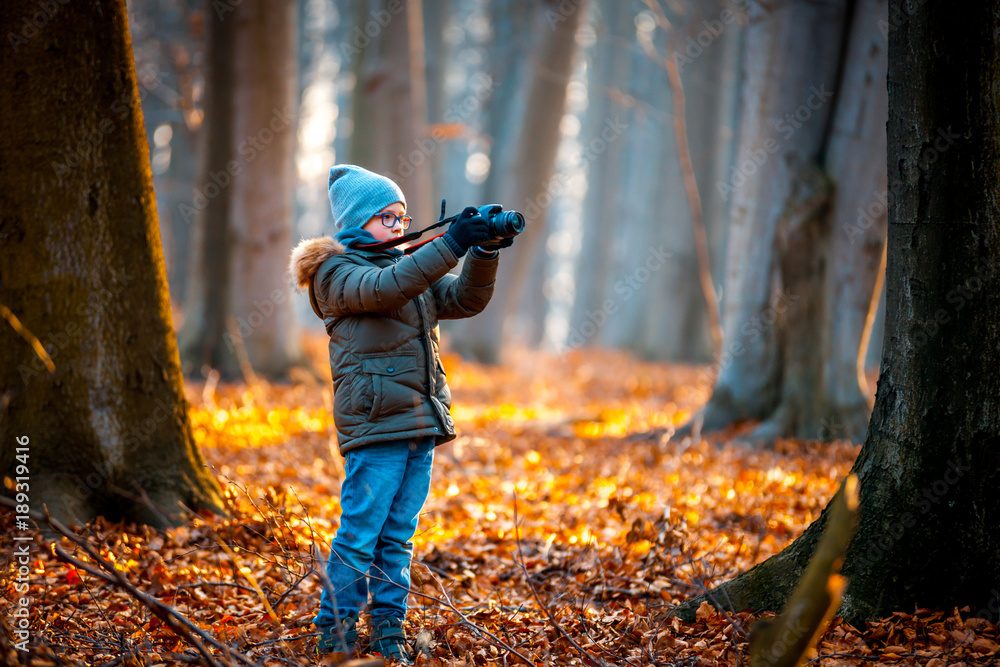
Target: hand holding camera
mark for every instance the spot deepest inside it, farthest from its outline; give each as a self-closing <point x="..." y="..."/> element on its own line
<point x="470" y="229"/>
<point x="499" y="226"/>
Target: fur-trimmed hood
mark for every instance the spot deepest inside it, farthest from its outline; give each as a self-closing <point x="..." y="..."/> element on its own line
<point x="308" y="255"/>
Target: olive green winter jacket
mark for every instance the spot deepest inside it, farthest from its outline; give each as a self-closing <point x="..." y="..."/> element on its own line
<point x="381" y="310"/>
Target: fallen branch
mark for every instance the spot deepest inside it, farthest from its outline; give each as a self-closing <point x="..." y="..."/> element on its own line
<point x="783" y="640"/>
<point x="170" y="617"/>
<point x="177" y="622"/>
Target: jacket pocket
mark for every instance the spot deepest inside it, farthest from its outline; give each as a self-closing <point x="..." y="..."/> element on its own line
<point x="390" y="377"/>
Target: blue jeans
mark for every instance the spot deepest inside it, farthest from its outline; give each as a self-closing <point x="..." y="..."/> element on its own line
<point x="384" y="489"/>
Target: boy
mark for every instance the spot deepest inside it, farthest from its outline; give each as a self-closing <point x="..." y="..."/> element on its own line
<point x="391" y="398"/>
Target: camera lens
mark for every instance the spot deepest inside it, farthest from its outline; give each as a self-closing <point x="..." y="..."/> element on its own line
<point x="507" y="224"/>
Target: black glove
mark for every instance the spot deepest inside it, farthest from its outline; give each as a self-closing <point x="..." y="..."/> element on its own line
<point x="470" y="229"/>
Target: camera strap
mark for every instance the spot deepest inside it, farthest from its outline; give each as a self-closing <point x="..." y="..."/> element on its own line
<point x="385" y="245"/>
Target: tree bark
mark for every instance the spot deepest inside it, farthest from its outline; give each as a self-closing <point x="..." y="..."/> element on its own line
<point x="81" y="266"/>
<point x="239" y="298"/>
<point x="929" y="532"/>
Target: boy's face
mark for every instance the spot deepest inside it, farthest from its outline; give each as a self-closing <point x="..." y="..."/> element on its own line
<point x="379" y="230"/>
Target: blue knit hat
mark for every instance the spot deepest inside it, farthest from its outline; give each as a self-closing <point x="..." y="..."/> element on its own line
<point x="357" y="194"/>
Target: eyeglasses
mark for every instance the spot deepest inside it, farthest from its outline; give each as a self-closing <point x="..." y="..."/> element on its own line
<point x="390" y="220"/>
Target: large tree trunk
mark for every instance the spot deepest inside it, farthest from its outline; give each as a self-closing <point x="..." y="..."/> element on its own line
<point x="929" y="532"/>
<point x="81" y="266"/>
<point x="789" y="49"/>
<point x="240" y="295"/>
<point x="832" y="270"/>
<point x="527" y="186"/>
<point x="798" y="302"/>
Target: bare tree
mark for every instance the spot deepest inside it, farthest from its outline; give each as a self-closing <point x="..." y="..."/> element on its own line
<point x="106" y="425"/>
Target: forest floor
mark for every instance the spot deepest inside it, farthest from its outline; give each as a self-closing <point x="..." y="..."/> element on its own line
<point x="547" y="535"/>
